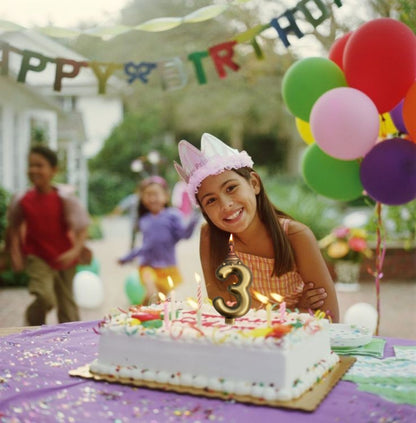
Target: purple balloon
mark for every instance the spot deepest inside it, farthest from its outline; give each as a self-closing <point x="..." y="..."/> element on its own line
<point x="388" y="171"/>
<point x="396" y="115"/>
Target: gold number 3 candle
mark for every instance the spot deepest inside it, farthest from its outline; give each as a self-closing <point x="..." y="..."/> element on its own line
<point x="232" y="265"/>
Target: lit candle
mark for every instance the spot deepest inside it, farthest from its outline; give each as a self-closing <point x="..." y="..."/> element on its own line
<point x="282" y="308"/>
<point x="165" y="310"/>
<point x="264" y="300"/>
<point x="172" y="298"/>
<point x="232" y="265"/>
<point x="194" y="305"/>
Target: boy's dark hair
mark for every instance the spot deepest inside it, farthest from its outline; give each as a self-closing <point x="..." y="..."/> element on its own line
<point x="269" y="214"/>
<point x="45" y="152"/>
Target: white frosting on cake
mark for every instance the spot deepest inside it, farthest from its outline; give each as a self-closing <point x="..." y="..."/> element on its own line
<point x="279" y="361"/>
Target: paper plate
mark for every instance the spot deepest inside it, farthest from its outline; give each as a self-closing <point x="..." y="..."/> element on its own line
<point x="344" y="335"/>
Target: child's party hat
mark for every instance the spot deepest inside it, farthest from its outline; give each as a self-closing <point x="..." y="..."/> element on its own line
<point x="213" y="158"/>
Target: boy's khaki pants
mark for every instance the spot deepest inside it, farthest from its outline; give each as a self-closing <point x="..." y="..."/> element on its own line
<point x="51" y="288"/>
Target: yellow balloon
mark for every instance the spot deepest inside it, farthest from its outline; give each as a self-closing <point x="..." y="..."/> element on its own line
<point x="386" y="126"/>
<point x="304" y="130"/>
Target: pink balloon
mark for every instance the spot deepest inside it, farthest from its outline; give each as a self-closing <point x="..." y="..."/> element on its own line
<point x="345" y="123"/>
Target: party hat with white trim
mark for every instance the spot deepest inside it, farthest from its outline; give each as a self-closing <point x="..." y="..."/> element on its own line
<point x="214" y="157"/>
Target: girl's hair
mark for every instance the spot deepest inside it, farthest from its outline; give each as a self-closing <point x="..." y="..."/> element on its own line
<point x="45" y="152"/>
<point x="283" y="254"/>
<point x="142" y="209"/>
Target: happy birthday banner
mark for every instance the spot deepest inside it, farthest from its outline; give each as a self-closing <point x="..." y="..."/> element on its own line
<point x="172" y="72"/>
<point x="152" y="25"/>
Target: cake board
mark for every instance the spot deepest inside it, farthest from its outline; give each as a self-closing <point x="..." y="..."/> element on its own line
<point x="308" y="401"/>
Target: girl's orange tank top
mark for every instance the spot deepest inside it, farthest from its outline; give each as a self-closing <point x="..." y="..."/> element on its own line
<point x="289" y="285"/>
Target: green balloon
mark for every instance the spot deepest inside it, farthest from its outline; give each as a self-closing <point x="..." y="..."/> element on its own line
<point x="94" y="267"/>
<point x="306" y="80"/>
<point x="331" y="177"/>
<point x="135" y="290"/>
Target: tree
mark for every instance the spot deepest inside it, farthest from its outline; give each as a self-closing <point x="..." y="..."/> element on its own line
<point x="245" y="108"/>
<point x="111" y="176"/>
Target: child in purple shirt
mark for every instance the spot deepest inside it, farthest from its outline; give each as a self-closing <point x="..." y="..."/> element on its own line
<point x="162" y="227"/>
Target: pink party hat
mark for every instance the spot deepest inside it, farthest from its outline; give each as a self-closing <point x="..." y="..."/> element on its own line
<point x="213" y="158"/>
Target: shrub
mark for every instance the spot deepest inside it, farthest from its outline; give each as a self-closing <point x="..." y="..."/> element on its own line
<point x="293" y="197"/>
<point x="4" y="201"/>
<point x="399" y="223"/>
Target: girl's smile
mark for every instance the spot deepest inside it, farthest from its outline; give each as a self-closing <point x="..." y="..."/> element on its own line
<point x="229" y="200"/>
<point x="234" y="217"/>
<point x="154" y="198"/>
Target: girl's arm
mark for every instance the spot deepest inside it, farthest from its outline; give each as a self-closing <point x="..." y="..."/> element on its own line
<point x="135" y="252"/>
<point x="182" y="229"/>
<point x="311" y="265"/>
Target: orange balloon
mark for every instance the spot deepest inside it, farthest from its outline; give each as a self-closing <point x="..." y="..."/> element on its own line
<point x="409" y="112"/>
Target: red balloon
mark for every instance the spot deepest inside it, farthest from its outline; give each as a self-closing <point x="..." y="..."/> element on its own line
<point x="337" y="49"/>
<point x="380" y="60"/>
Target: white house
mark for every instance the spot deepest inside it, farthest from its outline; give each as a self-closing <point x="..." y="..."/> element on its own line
<point x="74" y="120"/>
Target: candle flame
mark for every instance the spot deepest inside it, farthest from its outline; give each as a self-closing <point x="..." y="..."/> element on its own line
<point x="192" y="303"/>
<point x="231" y="238"/>
<point x="162" y="296"/>
<point x="170" y="282"/>
<point x="262" y="298"/>
<point x="197" y="278"/>
<point x="277" y="297"/>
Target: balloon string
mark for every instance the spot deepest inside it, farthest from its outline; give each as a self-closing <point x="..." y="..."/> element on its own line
<point x="383" y="129"/>
<point x="380" y="253"/>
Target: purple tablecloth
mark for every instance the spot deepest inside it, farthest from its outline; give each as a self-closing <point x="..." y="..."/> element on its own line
<point x="35" y="387"/>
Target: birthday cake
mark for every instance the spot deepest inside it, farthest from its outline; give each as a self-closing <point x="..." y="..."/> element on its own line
<point x="272" y="356"/>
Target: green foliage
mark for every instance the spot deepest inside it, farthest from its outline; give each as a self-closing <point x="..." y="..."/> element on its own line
<point x="10" y="278"/>
<point x="267" y="149"/>
<point x="296" y="199"/>
<point x="135" y="136"/>
<point x="244" y="109"/>
<point x="399" y="223"/>
<point x="110" y="174"/>
<point x="407" y="13"/>
<point x="105" y="190"/>
<point x="4" y="201"/>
